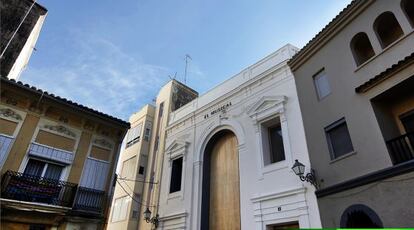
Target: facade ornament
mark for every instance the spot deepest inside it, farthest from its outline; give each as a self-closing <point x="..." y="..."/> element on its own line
<point x="103" y="143"/>
<point x="10" y="113"/>
<point x="105" y="133"/>
<point x="63" y="119"/>
<point x="60" y="129"/>
<point x="177" y="148"/>
<point x="89" y="126"/>
<point x="223" y="115"/>
<point x="11" y="101"/>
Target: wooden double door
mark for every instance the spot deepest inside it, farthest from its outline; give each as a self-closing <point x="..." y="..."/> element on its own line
<point x="224" y="206"/>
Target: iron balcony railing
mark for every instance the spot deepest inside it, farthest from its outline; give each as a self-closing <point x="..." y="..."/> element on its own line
<point x="91" y="200"/>
<point x="401" y="149"/>
<point x="23" y="187"/>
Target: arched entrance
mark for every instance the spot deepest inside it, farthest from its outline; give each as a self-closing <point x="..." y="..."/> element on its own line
<point x="360" y="216"/>
<point x="221" y="183"/>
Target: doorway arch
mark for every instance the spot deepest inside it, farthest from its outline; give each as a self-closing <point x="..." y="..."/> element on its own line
<point x="360" y="216"/>
<point x="220" y="205"/>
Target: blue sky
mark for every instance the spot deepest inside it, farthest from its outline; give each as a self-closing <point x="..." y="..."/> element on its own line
<point x="114" y="56"/>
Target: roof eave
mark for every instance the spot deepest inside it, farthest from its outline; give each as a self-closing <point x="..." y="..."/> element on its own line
<point x="68" y="103"/>
<point x="352" y="10"/>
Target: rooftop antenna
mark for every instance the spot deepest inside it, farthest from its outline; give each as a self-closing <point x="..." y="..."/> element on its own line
<point x="173" y="78"/>
<point x="187" y="57"/>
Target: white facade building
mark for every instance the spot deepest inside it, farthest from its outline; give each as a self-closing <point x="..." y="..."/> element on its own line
<point x="257" y="103"/>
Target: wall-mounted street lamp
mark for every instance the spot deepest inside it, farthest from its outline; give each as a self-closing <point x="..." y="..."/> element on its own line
<point x="299" y="170"/>
<point x="153" y="220"/>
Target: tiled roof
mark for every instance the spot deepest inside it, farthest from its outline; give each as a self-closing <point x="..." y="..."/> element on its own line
<point x="64" y="101"/>
<point x="384" y="75"/>
<point x="329" y="25"/>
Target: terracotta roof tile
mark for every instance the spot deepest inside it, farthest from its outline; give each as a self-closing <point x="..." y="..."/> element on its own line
<point x="64" y="100"/>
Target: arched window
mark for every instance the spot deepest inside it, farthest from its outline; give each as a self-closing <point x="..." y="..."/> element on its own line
<point x="361" y="48"/>
<point x="408" y="8"/>
<point x="387" y="28"/>
<point x="360" y="216"/>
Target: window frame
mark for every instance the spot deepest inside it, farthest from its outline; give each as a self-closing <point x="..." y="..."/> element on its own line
<point x="180" y="177"/>
<point x="45" y="167"/>
<point x="332" y="126"/>
<point x="316" y="76"/>
<point x="267" y="140"/>
<point x="265" y="109"/>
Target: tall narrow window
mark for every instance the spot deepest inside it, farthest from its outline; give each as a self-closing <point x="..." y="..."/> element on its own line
<point x="147" y="134"/>
<point x="408" y="8"/>
<point x="387" y="28"/>
<point x="157" y="139"/>
<point x="321" y="84"/>
<point x="141" y="170"/>
<point x="161" y="110"/>
<point x="273" y="148"/>
<point x="361" y="48"/>
<point x="176" y="174"/>
<point x="339" y="140"/>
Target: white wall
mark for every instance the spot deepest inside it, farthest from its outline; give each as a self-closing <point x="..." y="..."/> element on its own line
<point x="262" y="90"/>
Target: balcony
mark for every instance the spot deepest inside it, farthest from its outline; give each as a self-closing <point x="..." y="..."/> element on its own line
<point x="23" y="187"/>
<point x="90" y="200"/>
<point x="18" y="186"/>
<point x="401" y="149"/>
<point x="394" y="110"/>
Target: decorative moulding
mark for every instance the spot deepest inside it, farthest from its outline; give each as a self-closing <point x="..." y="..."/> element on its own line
<point x="60" y="129"/>
<point x="104" y="143"/>
<point x="9" y="113"/>
<point x="267" y="106"/>
<point x="167" y="217"/>
<point x="177" y="148"/>
<point x="278" y="195"/>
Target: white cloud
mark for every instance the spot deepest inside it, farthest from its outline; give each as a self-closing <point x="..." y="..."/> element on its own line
<point x="100" y="75"/>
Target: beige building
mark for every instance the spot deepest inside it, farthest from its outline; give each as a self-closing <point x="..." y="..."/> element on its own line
<point x="355" y="82"/>
<point x="137" y="187"/>
<point x="133" y="165"/>
<point x="172" y="96"/>
<point x="57" y="160"/>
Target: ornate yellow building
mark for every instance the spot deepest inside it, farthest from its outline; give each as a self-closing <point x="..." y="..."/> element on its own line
<point x="57" y="160"/>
